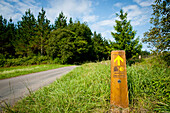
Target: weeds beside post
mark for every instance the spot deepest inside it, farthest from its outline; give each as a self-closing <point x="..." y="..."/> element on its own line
<point x="119" y="90"/>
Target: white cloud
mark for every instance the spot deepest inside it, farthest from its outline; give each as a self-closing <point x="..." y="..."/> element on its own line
<point x="133" y="10"/>
<point x="70" y="8"/>
<point x="144" y="3"/>
<point x="140" y="20"/>
<point x="100" y="26"/>
<point x="90" y="18"/>
<point x="105" y="27"/>
<point x="16" y="16"/>
<point x="106" y="22"/>
<point x="15" y="9"/>
<point x="118" y="4"/>
<point x="107" y="34"/>
<point x="137" y="15"/>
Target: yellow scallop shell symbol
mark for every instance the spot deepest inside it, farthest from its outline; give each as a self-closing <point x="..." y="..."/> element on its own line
<point x="121" y="69"/>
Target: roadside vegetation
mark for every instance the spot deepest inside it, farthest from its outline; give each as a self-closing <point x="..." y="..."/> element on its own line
<point x="87" y="89"/>
<point x="26" y="61"/>
<point x="149" y="85"/>
<point x="8" y="72"/>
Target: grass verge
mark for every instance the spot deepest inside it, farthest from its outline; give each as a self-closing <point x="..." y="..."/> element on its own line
<point x="9" y="72"/>
<point x="87" y="89"/>
<point x="149" y="86"/>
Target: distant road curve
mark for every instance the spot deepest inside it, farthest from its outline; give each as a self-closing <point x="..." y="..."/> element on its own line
<point x="13" y="89"/>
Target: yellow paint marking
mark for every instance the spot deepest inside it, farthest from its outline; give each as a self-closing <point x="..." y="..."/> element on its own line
<point x="118" y="59"/>
<point x="121" y="69"/>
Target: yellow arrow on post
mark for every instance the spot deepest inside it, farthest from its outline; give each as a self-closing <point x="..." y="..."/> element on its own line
<point x="118" y="59"/>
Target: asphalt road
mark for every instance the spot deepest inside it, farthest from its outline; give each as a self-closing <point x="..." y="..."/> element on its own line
<point x="13" y="89"/>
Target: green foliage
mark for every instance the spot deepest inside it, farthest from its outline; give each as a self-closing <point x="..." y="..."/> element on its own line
<point x="70" y="44"/>
<point x="166" y="57"/>
<point x="7" y="36"/>
<point x="124" y="37"/>
<point x="145" y="54"/>
<point x="100" y="47"/>
<point x="61" y="45"/>
<point x="148" y="84"/>
<point x="61" y="21"/>
<point x="43" y="30"/>
<point x="83" y="41"/>
<point x="24" y="61"/>
<point x="25" y="35"/>
<point x="158" y="35"/>
<point x="66" y="43"/>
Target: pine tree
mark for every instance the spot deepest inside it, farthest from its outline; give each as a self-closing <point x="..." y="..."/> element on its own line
<point x="10" y="34"/>
<point x="71" y="21"/>
<point x="7" y="38"/>
<point x="125" y="36"/>
<point x="158" y="35"/>
<point x="43" y="30"/>
<point x="61" y="21"/>
<point x="3" y="27"/>
<point x="25" y="34"/>
<point x="100" y="47"/>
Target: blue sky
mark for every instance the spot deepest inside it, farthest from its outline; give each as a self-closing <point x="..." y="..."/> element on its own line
<point x="99" y="14"/>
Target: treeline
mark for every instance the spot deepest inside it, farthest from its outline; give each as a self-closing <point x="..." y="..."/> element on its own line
<point x="64" y="42"/>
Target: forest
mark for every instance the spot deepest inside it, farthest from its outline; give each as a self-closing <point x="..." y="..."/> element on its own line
<point x="35" y="41"/>
<point x="66" y="42"/>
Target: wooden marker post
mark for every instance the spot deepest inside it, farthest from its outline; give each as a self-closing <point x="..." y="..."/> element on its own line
<point x="119" y="89"/>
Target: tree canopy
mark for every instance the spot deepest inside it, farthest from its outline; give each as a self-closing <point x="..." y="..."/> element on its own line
<point x="71" y="42"/>
<point x="125" y="36"/>
<point x="158" y="35"/>
<point x="68" y="41"/>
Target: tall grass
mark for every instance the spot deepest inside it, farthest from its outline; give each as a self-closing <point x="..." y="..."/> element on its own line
<point x="87" y="89"/>
<point x="149" y="86"/>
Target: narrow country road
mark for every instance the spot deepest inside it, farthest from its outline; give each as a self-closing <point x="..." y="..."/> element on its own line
<point x="13" y="89"/>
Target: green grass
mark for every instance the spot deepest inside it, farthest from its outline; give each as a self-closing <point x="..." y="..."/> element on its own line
<point x="149" y="86"/>
<point x="9" y="72"/>
<point x="87" y="89"/>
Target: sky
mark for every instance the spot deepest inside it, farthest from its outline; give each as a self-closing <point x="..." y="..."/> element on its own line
<point x="100" y="15"/>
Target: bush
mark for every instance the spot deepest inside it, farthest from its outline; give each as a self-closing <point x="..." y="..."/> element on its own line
<point x="56" y="61"/>
<point x="133" y="61"/>
<point x="42" y="60"/>
<point x="2" y="62"/>
<point x="24" y="61"/>
<point x="166" y="57"/>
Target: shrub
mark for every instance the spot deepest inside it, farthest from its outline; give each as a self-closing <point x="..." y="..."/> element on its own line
<point x="57" y="61"/>
<point x="24" y="61"/>
<point x="2" y="62"/>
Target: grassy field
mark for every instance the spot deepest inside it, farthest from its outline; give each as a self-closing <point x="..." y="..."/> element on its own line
<point x="9" y="72"/>
<point x="87" y="89"/>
